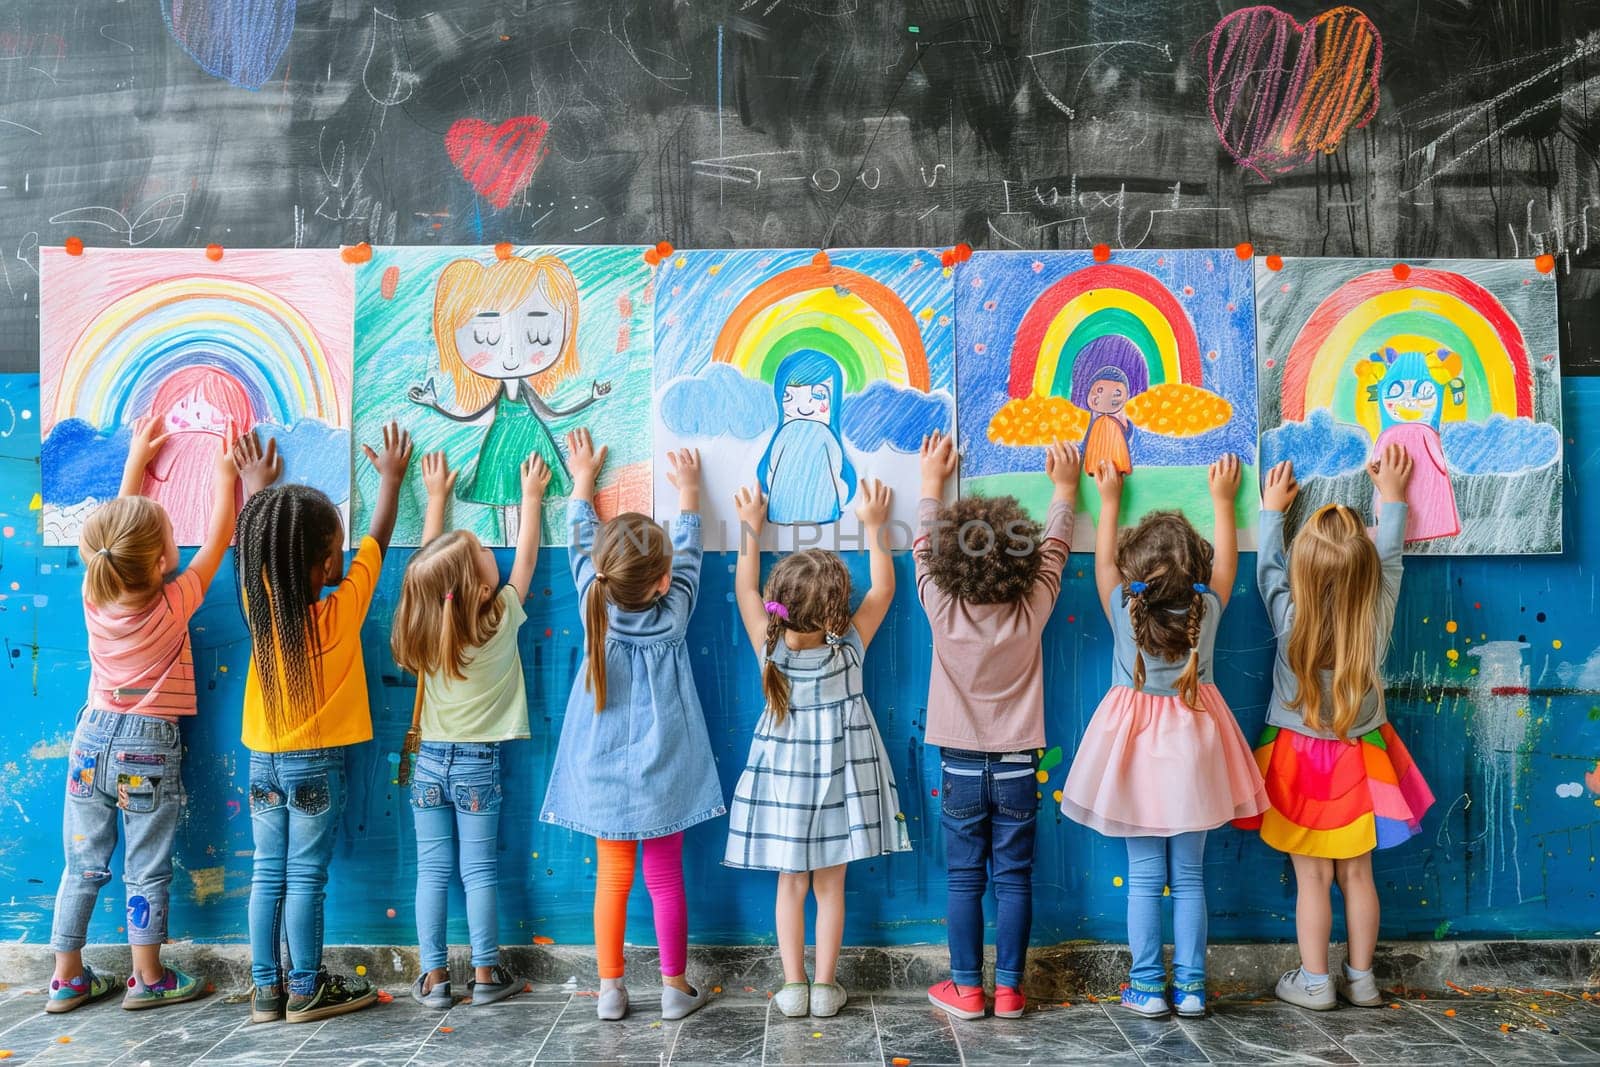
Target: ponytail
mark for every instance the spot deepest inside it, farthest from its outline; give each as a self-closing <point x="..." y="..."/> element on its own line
<point x="631" y="555"/>
<point x="594" y="628"/>
<point x="121" y="549"/>
<point x="774" y="683"/>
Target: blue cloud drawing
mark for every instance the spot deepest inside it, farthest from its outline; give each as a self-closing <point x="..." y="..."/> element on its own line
<point x="885" y="414"/>
<point x="716" y="402"/>
<point x="1320" y="446"/>
<point x="315" y="454"/>
<point x="81" y="463"/>
<point x="1499" y="445"/>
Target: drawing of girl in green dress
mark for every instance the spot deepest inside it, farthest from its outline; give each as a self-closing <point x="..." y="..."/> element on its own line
<point x="507" y="333"/>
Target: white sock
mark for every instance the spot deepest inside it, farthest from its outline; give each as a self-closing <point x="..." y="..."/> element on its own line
<point x="608" y="984"/>
<point x="1351" y="972"/>
<point x="1312" y="980"/>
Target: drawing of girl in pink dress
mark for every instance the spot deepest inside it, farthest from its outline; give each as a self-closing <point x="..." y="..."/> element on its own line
<point x="195" y="406"/>
<point x="1407" y="387"/>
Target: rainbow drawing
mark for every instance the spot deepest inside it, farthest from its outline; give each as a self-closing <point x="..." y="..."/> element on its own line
<point x="272" y="328"/>
<point x="1487" y="448"/>
<point x="739" y="332"/>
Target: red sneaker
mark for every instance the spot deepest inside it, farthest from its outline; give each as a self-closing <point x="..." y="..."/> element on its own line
<point x="964" y="1002"/>
<point x="1008" y="1002"/>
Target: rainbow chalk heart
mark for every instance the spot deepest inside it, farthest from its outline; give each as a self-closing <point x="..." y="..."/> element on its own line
<point x="239" y="41"/>
<point x="1281" y="92"/>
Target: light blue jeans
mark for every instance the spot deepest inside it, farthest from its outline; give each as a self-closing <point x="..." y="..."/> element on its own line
<point x="1154" y="864"/>
<point x="456" y="794"/>
<point x="121" y="766"/>
<point x="296" y="802"/>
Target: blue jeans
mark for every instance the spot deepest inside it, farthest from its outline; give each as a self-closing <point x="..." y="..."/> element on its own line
<point x="456" y="793"/>
<point x="296" y="801"/>
<point x="1154" y="864"/>
<point x="121" y="766"/>
<point x="990" y="805"/>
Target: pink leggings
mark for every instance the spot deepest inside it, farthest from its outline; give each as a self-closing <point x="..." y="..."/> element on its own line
<point x="663" y="876"/>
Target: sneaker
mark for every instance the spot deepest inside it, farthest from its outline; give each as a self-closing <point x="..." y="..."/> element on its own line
<point x="266" y="1003"/>
<point x="175" y="987"/>
<point x="826" y="999"/>
<point x="1292" y="989"/>
<point x="438" y="997"/>
<point x="1008" y="1003"/>
<point x="1150" y="1005"/>
<point x="503" y="985"/>
<point x="1363" y="992"/>
<point x="74" y="993"/>
<point x="1189" y="1003"/>
<point x="676" y="1004"/>
<point x="794" y="999"/>
<point x="964" y="1002"/>
<point x="613" y="1003"/>
<point x="333" y="994"/>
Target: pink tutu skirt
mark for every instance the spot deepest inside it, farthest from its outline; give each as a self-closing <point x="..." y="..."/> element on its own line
<point x="1151" y="766"/>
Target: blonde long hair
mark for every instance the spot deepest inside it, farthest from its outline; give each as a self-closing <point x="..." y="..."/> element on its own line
<point x="442" y="615"/>
<point x="812" y="591"/>
<point x="121" y="547"/>
<point x="1334" y="577"/>
<point x="631" y="554"/>
<point x="467" y="287"/>
<point x="1167" y="554"/>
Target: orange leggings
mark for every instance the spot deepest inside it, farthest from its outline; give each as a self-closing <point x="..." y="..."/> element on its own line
<point x="663" y="877"/>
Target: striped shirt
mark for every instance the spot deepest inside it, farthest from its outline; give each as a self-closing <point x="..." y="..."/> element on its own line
<point x="140" y="659"/>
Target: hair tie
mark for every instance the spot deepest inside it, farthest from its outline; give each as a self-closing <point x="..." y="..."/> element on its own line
<point x="1201" y="587"/>
<point x="776" y="609"/>
<point x="103" y="552"/>
<point x="1138" y="588"/>
<point x="449" y="596"/>
<point x="599" y="576"/>
<point x="833" y="639"/>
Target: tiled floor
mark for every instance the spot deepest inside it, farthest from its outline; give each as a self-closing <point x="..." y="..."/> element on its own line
<point x="549" y="1025"/>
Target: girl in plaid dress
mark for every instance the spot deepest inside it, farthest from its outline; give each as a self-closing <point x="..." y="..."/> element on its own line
<point x="817" y="791"/>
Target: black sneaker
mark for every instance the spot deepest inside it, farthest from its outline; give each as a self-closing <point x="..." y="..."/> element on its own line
<point x="266" y="1003"/>
<point x="335" y="994"/>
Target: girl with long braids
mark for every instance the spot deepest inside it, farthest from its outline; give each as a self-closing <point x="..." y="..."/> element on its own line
<point x="817" y="791"/>
<point x="634" y="762"/>
<point x="1163" y="761"/>
<point x="305" y="701"/>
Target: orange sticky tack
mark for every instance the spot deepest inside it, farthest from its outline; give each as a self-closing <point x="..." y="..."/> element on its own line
<point x="651" y="256"/>
<point x="390" y="913"/>
<point x="1505" y="1028"/>
<point x="664" y="249"/>
<point x="900" y="1061"/>
<point x="74" y="246"/>
<point x="447" y="1029"/>
<point x="1274" y="262"/>
<point x="1244" y="250"/>
<point x="502" y="250"/>
<point x="1401" y="272"/>
<point x="821" y="260"/>
<point x="1544" y="264"/>
<point x="540" y="939"/>
<point x="1102" y="253"/>
<point x="213" y="252"/>
<point x="963" y="252"/>
<point x="385" y="997"/>
<point x="358" y="253"/>
<point x="1450" y="1013"/>
<point x="63" y="1040"/>
<point x="716" y="989"/>
<point x="947" y="258"/>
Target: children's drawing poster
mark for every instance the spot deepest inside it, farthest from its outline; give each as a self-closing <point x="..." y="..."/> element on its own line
<point x="803" y="372"/>
<point x="491" y="356"/>
<point x="1454" y="360"/>
<point x="259" y="338"/>
<point x="1145" y="360"/>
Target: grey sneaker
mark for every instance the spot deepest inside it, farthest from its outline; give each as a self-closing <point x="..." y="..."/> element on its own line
<point x="794" y="999"/>
<point x="505" y="984"/>
<point x="613" y="1003"/>
<point x="1292" y="989"/>
<point x="438" y="998"/>
<point x="676" y="1004"/>
<point x="1363" y="992"/>
<point x="826" y="999"/>
<point x="267" y="1003"/>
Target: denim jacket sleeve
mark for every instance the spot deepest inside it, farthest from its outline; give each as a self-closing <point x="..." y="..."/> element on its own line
<point x="686" y="554"/>
<point x="582" y="523"/>
<point x="1272" y="571"/>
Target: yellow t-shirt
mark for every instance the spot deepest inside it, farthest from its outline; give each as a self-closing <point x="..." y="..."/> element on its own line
<point x="344" y="717"/>
<point x="491" y="703"/>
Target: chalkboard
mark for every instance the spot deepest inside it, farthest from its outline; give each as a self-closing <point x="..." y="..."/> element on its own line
<point x="1041" y="124"/>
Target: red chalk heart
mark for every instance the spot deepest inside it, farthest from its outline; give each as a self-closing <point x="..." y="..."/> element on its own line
<point x="498" y="161"/>
<point x="1281" y="92"/>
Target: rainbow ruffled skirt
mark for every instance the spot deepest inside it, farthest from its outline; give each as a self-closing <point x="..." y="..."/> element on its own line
<point x="1338" y="799"/>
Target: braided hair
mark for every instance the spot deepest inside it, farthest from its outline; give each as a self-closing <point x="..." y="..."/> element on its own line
<point x="631" y="555"/>
<point x="811" y="591"/>
<point x="1170" y="562"/>
<point x="284" y="531"/>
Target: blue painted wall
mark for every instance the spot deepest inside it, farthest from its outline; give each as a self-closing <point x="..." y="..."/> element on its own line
<point x="1509" y="850"/>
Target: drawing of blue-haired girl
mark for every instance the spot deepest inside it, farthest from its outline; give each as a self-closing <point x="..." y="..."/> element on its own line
<point x="805" y="472"/>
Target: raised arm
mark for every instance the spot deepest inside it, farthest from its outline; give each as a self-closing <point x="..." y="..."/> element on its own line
<point x="585" y="462"/>
<point x="219" y="534"/>
<point x="872" y="508"/>
<point x="391" y="465"/>
<point x="1061" y="466"/>
<point x="939" y="464"/>
<point x="1391" y="476"/>
<point x="750" y="503"/>
<point x="258" y="467"/>
<point x="1224" y="479"/>
<point x="142" y="448"/>
<point x="684" y="473"/>
<point x="1272" y="560"/>
<point x="1107" y="575"/>
<point x="438" y="479"/>
<point x="535" y="480"/>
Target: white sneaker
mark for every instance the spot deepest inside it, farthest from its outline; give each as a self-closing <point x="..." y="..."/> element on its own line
<point x="613" y="1003"/>
<point x="794" y="999"/>
<point x="826" y="999"/>
<point x="1363" y="992"/>
<point x="1292" y="989"/>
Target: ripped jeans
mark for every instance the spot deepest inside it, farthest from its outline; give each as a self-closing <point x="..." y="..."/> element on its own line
<point x="296" y="802"/>
<point x="121" y="765"/>
<point x="455" y="797"/>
